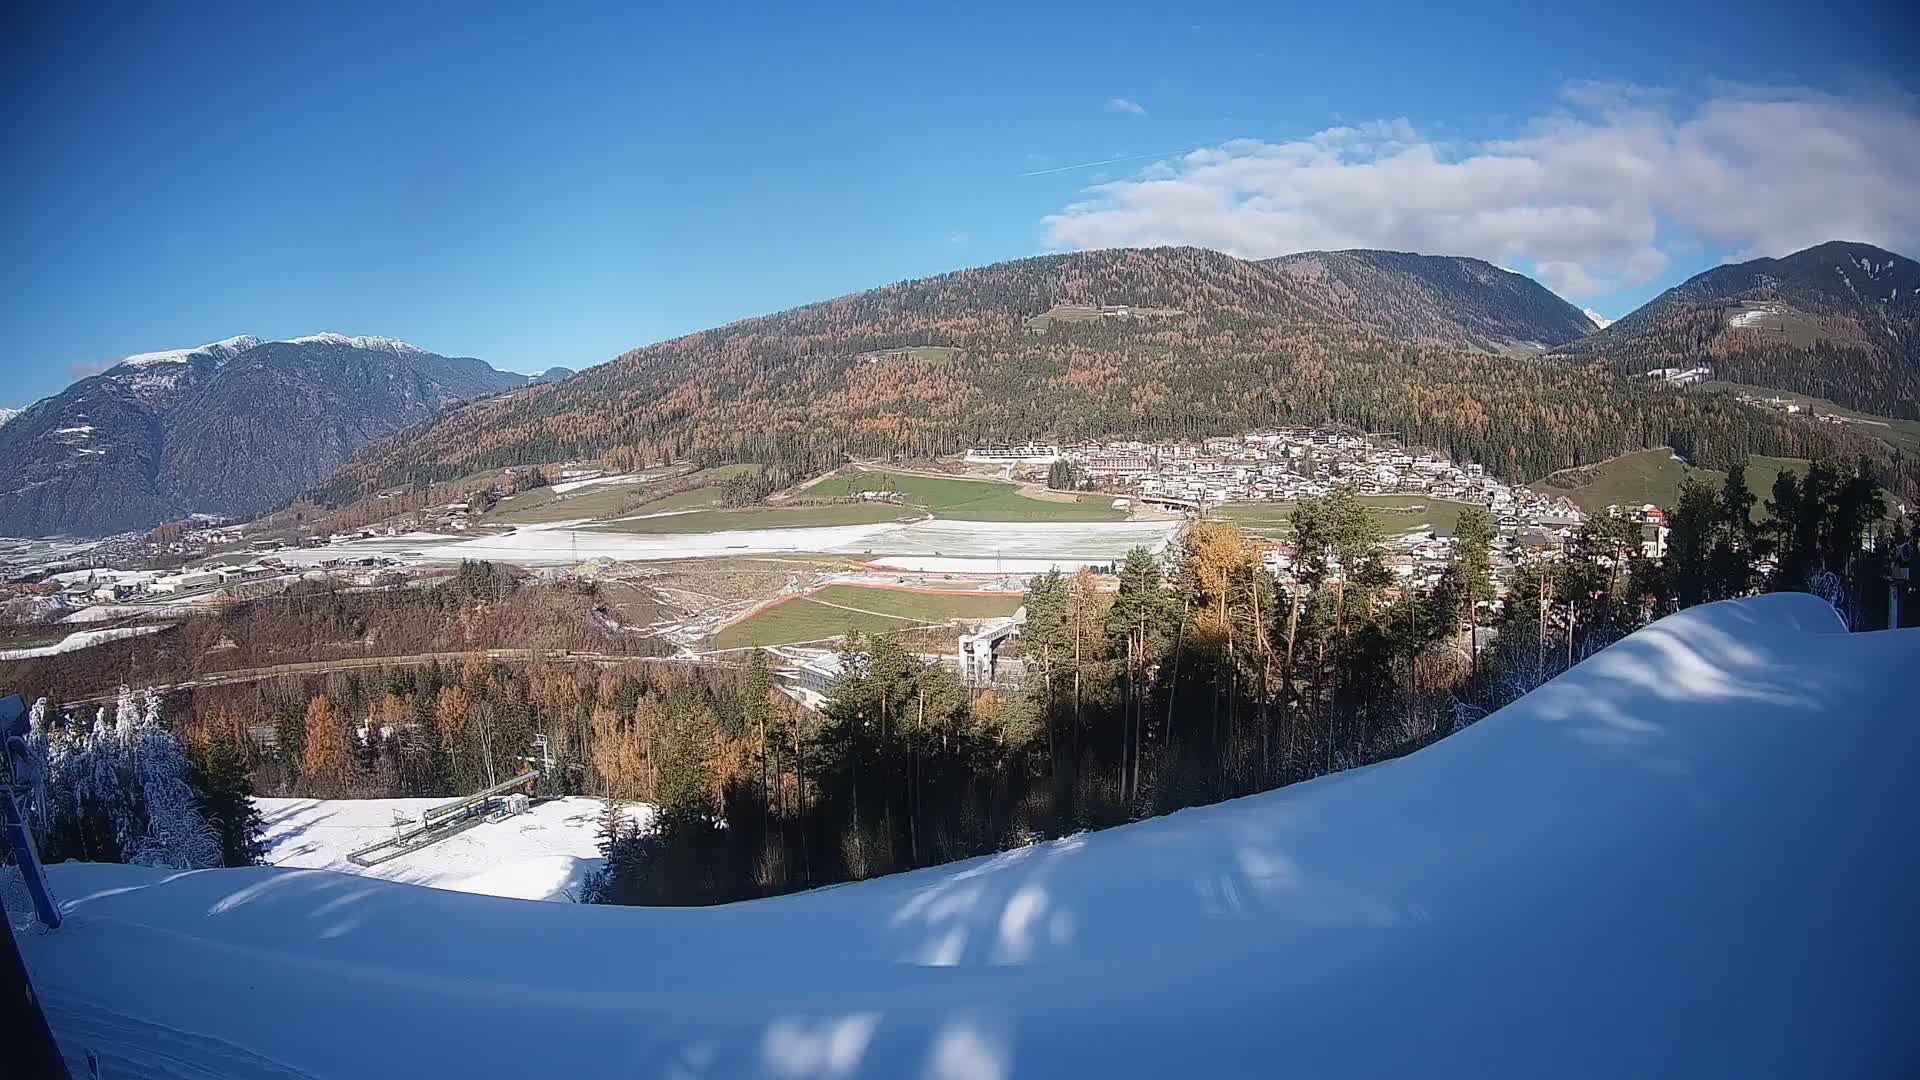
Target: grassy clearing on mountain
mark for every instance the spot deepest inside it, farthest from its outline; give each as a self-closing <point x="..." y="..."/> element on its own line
<point x="1654" y="476"/>
<point x="965" y="500"/>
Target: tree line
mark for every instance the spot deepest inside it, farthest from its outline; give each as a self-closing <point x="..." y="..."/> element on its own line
<point x="1203" y="677"/>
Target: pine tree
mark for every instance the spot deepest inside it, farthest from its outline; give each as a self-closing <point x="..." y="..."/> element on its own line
<point x="1141" y="617"/>
<point x="611" y="822"/>
<point x="686" y="785"/>
<point x="226" y="798"/>
<point x="1473" y="570"/>
<point x="759" y="715"/>
<point x="1730" y="559"/>
<point x="1692" y="525"/>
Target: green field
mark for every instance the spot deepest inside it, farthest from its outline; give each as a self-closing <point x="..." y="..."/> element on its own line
<point x="757" y="517"/>
<point x="700" y="490"/>
<point x="1396" y="513"/>
<point x="695" y="498"/>
<point x="920" y="606"/>
<point x="965" y="500"/>
<point x="542" y="505"/>
<point x="1654" y="476"/>
<point x="815" y="617"/>
<point x="792" y="622"/>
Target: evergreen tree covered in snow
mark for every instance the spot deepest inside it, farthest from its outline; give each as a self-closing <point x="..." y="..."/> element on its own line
<point x="121" y="791"/>
<point x="176" y="834"/>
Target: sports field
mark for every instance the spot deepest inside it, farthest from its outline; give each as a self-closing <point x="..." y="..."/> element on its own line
<point x="832" y="611"/>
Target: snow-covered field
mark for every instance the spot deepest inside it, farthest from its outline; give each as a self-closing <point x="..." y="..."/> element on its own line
<point x="1751" y="316"/>
<point x="79" y="639"/>
<point x="930" y="544"/>
<point x="1690" y="856"/>
<point x="544" y="854"/>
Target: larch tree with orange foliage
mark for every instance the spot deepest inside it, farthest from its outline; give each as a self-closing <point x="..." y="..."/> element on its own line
<point x="328" y="758"/>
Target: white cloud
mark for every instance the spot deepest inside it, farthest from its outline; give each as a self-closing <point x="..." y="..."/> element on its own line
<point x="1591" y="194"/>
<point x="1131" y="108"/>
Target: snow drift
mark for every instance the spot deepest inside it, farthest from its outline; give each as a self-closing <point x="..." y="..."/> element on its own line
<point x="544" y="854"/>
<point x="1684" y="857"/>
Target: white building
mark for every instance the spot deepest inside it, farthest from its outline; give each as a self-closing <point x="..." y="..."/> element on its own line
<point x="1015" y="454"/>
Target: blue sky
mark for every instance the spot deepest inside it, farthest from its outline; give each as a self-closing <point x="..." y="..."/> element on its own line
<point x="539" y="192"/>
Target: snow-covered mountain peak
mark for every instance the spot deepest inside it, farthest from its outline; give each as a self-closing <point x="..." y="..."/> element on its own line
<point x="220" y="350"/>
<point x="8" y="414"/>
<point x="1599" y="320"/>
<point x="381" y="344"/>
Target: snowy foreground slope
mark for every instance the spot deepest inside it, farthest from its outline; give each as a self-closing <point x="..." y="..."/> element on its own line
<point x="1691" y="856"/>
<point x="544" y="854"/>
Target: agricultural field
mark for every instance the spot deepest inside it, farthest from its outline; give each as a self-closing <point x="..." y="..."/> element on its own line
<point x="960" y="499"/>
<point x="920" y="605"/>
<point x="1654" y="476"/>
<point x="542" y="505"/>
<point x="757" y="517"/>
<point x="598" y="500"/>
<point x="1396" y="513"/>
<point x="832" y="611"/>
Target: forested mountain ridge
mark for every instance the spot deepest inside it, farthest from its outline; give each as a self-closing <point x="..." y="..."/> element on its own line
<point x="1840" y="320"/>
<point x="1439" y="299"/>
<point x="229" y="428"/>
<point x="1206" y="344"/>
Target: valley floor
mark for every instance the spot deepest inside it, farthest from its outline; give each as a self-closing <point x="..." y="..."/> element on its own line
<point x="1680" y="858"/>
<point x="928" y="544"/>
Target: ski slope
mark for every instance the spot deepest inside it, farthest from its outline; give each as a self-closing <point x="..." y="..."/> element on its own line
<point x="544" y="854"/>
<point x="1692" y="855"/>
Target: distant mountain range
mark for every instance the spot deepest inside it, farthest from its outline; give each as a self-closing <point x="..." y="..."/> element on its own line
<point x="230" y="428"/>
<point x="8" y="414"/>
<point x="1448" y="352"/>
<point x="1840" y="321"/>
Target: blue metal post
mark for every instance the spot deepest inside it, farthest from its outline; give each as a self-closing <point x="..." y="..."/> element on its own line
<point x="29" y="860"/>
